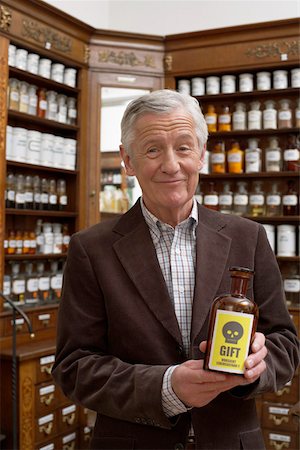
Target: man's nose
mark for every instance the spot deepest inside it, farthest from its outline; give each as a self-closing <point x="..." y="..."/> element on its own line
<point x="170" y="162"/>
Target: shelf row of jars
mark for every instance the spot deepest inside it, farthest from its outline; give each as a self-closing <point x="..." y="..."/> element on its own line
<point x="44" y="67"/>
<point x="111" y="177"/>
<point x="27" y="98"/>
<point x="44" y="149"/>
<point x="254" y="201"/>
<point x="33" y="283"/>
<point x="252" y="159"/>
<point x="34" y="192"/>
<point x="113" y="199"/>
<point x="280" y="115"/>
<point x="244" y="82"/>
<point x="283" y="239"/>
<point x="45" y="238"/>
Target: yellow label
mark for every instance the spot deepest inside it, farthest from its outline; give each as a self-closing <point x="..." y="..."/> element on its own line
<point x="230" y="342"/>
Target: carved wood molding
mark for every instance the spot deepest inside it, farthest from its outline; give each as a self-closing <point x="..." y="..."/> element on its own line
<point x="273" y="49"/>
<point x="27" y="413"/>
<point x="3" y="103"/>
<point x="5" y="18"/>
<point x="46" y="36"/>
<point x="125" y="58"/>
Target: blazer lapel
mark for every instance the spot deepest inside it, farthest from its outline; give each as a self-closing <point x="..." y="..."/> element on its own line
<point x="212" y="254"/>
<point x="136" y="252"/>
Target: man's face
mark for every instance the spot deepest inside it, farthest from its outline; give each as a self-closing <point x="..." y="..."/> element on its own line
<point x="166" y="159"/>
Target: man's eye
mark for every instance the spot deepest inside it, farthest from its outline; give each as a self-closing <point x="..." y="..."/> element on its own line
<point x="152" y="151"/>
<point x="183" y="148"/>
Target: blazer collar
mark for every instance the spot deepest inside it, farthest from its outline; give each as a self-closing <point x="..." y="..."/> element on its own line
<point x="137" y="254"/>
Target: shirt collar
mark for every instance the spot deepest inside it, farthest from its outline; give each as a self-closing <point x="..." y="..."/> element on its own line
<point x="155" y="225"/>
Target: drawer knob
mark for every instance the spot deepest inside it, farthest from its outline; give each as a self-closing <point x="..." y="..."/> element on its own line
<point x="278" y="420"/>
<point x="70" y="446"/>
<point x="47" y="399"/>
<point x="285" y="390"/>
<point x="47" y="429"/>
<point x="279" y="445"/>
<point x="70" y="419"/>
<point x="47" y="369"/>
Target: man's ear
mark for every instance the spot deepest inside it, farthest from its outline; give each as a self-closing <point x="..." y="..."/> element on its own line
<point x="201" y="161"/>
<point x="127" y="161"/>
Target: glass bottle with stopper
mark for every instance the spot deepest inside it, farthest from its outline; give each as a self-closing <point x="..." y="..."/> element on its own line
<point x="232" y="326"/>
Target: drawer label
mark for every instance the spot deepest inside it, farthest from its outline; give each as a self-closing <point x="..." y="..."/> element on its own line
<point x="275" y="410"/>
<point x="279" y="437"/>
<point x="47" y="360"/>
<point x="47" y="447"/>
<point x="47" y="389"/>
<point x="68" y="438"/>
<point x="45" y="419"/>
<point x="44" y="317"/>
<point x="69" y="410"/>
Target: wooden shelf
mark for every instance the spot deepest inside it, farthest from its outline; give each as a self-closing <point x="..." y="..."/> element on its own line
<point x="42" y="82"/>
<point x="249" y="95"/>
<point x="33" y="212"/>
<point x="34" y="120"/>
<point x="204" y="176"/>
<point x="279" y="219"/>
<point x="267" y="132"/>
<point x="35" y="256"/>
<point x="39" y="168"/>
<point x="288" y="258"/>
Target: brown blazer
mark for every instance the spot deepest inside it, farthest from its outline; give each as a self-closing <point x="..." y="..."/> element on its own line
<point x="118" y="333"/>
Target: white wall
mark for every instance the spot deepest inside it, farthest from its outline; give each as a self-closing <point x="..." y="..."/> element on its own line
<point x="162" y="17"/>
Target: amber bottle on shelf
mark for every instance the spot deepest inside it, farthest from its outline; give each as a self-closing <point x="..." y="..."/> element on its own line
<point x="232" y="325"/>
<point x="235" y="158"/>
<point x="290" y="200"/>
<point x="218" y="158"/>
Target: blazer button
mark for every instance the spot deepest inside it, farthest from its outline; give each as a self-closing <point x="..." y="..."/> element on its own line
<point x="179" y="446"/>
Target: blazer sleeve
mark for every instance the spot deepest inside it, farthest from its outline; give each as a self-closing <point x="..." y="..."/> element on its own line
<point x="83" y="368"/>
<point x="274" y="322"/>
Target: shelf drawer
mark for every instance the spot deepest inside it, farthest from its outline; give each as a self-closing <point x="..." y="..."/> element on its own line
<point x="288" y="394"/>
<point x="67" y="418"/>
<point x="45" y="427"/>
<point x="44" y="320"/>
<point x="279" y="440"/>
<point x="43" y="368"/>
<point x="47" y="398"/>
<point x="21" y="325"/>
<point x="68" y="441"/>
<point x="277" y="416"/>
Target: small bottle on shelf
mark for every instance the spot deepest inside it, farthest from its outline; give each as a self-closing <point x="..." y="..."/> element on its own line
<point x="273" y="201"/>
<point x="42" y="103"/>
<point x="40" y="239"/>
<point x="19" y="242"/>
<point x="43" y="282"/>
<point x="52" y="105"/>
<point x="55" y="281"/>
<point x="290" y="200"/>
<point x="14" y="94"/>
<point x="24" y="97"/>
<point x="20" y="192"/>
<point x="232" y="325"/>
<point x="44" y="194"/>
<point x="241" y="199"/>
<point x="218" y="158"/>
<point x="269" y="115"/>
<point x="36" y="187"/>
<point x="32" y="240"/>
<point x="297" y="114"/>
<point x="285" y="114"/>
<point x="257" y="200"/>
<point x="211" y="119"/>
<point x="211" y="198"/>
<point x="33" y="100"/>
<point x="66" y="237"/>
<point x="62" y="194"/>
<point x="52" y="195"/>
<point x="254" y="116"/>
<point x="31" y="286"/>
<point x="17" y="285"/>
<point x="11" y="249"/>
<point x="224" y="119"/>
<point x="26" y="243"/>
<point x="28" y="188"/>
<point x="291" y="155"/>
<point x="226" y="199"/>
<point x="253" y="160"/>
<point x="235" y="158"/>
<point x="273" y="156"/>
<point x="10" y="193"/>
<point x="239" y="117"/>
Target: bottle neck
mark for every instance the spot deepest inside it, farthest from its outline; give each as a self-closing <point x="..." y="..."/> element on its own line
<point x="239" y="285"/>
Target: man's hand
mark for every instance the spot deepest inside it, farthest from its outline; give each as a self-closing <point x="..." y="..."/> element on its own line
<point x="197" y="387"/>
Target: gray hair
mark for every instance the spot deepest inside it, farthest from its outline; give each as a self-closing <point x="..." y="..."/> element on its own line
<point x="162" y="102"/>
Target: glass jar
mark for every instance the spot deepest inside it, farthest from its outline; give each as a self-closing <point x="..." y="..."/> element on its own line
<point x="254" y="116"/>
<point x="240" y="199"/>
<point x="21" y="58"/>
<point x="291" y="285"/>
<point x="224" y="119"/>
<point x="70" y="77"/>
<point x="285" y="114"/>
<point x="273" y="156"/>
<point x="14" y="94"/>
<point x="12" y="49"/>
<point x="228" y="84"/>
<point x="226" y="199"/>
<point x="33" y="100"/>
<point x="71" y="111"/>
<point x="42" y="103"/>
<point x="280" y="79"/>
<point x="295" y="78"/>
<point x="33" y="63"/>
<point x="184" y="87"/>
<point x="273" y="201"/>
<point x="235" y="158"/>
<point x="263" y="81"/>
<point x="198" y="86"/>
<point x="270" y="231"/>
<point x="291" y="155"/>
<point x="269" y="115"/>
<point x="257" y="200"/>
<point x="239" y="117"/>
<point x="62" y="108"/>
<point x="290" y="200"/>
<point x="45" y="67"/>
<point x="212" y="85"/>
<point x="217" y="158"/>
<point x="52" y="105"/>
<point x="211" y="119"/>
<point x="24" y="97"/>
<point x="246" y="82"/>
<point x="211" y="198"/>
<point x="253" y="159"/>
<point x="57" y="72"/>
<point x="286" y="240"/>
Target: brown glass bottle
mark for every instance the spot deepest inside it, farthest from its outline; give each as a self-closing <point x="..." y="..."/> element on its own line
<point x="232" y="325"/>
<point x="290" y="200"/>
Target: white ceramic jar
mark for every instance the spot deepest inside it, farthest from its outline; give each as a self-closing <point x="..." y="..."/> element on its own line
<point x="228" y="84"/>
<point x="198" y="86"/>
<point x="45" y="67"/>
<point x="246" y="82"/>
<point x="212" y="85"/>
<point x="263" y="81"/>
<point x="33" y="63"/>
<point x="286" y="240"/>
<point x="280" y="79"/>
<point x="70" y="75"/>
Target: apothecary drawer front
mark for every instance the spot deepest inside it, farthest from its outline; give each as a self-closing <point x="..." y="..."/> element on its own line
<point x="278" y="416"/>
<point x="68" y="441"/>
<point x="48" y="398"/>
<point x="43" y="368"/>
<point x="288" y="394"/>
<point x="44" y="320"/>
<point x="46" y="427"/>
<point x="281" y="440"/>
<point x="68" y="418"/>
<point x="21" y="325"/>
